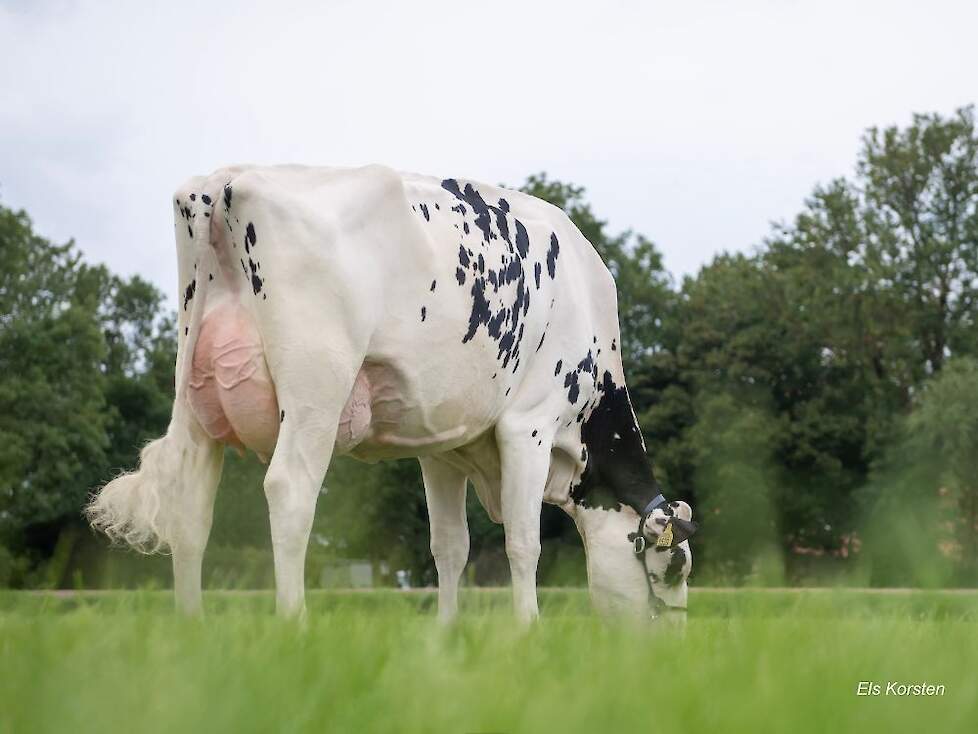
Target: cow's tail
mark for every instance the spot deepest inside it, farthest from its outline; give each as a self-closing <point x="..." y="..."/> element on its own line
<point x="138" y="508"/>
<point x="141" y="508"/>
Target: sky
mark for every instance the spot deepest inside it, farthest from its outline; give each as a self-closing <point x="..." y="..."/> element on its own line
<point x="695" y="123"/>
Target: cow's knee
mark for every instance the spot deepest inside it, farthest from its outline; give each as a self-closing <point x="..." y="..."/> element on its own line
<point x="524" y="556"/>
<point x="524" y="551"/>
<point x="450" y="551"/>
<point x="291" y="505"/>
<point x="451" y="547"/>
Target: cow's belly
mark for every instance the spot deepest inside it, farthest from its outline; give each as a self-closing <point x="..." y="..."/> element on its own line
<point x="231" y="391"/>
<point x="387" y="417"/>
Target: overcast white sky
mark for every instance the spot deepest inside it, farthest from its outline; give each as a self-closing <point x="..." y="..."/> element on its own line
<point x="695" y="123"/>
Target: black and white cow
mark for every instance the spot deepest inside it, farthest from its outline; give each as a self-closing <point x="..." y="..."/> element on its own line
<point x="379" y="314"/>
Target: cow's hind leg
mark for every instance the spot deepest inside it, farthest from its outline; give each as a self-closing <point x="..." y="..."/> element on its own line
<point x="193" y="512"/>
<point x="525" y="463"/>
<point x="311" y="402"/>
<point x="444" y="488"/>
<point x="292" y="486"/>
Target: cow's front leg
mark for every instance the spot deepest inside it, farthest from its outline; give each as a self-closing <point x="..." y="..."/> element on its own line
<point x="444" y="488"/>
<point x="525" y="462"/>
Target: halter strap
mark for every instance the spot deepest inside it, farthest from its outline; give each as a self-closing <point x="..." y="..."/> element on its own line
<point x="657" y="501"/>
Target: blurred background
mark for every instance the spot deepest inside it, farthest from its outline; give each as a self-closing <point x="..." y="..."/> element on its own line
<point x="786" y="194"/>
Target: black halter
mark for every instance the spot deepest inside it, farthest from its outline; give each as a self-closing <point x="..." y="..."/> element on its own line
<point x="641" y="547"/>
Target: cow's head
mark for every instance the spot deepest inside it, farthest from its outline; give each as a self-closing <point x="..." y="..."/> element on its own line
<point x="635" y="574"/>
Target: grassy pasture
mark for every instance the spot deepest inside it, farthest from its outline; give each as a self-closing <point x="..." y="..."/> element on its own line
<point x="748" y="661"/>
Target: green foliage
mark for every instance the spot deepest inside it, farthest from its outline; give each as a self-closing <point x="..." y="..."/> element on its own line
<point x="737" y="489"/>
<point x="944" y="425"/>
<point x="755" y="332"/>
<point x="140" y="337"/>
<point x="835" y="324"/>
<point x="378" y="512"/>
<point x="86" y="366"/>
<point x="920" y="192"/>
<point x="52" y="406"/>
<point x="923" y="505"/>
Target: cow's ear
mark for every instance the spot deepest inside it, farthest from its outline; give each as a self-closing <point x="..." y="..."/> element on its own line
<point x="676" y="532"/>
<point x="681" y="509"/>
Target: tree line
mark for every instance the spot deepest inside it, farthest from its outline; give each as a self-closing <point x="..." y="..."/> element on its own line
<point x="815" y="400"/>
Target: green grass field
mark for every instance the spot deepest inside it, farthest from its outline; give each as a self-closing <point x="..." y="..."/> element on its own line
<point x="748" y="661"/>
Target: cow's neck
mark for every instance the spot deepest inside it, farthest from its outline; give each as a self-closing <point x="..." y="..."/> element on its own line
<point x="618" y="471"/>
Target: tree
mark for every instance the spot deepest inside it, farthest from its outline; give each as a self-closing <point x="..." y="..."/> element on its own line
<point x="750" y="332"/>
<point x="644" y="286"/>
<point x="920" y="510"/>
<point x="52" y="406"/>
<point x="737" y="487"/>
<point x="841" y="315"/>
<point x="920" y="190"/>
<point x="140" y="336"/>
<point x="855" y="320"/>
<point x="942" y="434"/>
<point x="86" y="377"/>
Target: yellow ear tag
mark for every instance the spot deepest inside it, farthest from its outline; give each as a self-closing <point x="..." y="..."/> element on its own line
<point x="665" y="540"/>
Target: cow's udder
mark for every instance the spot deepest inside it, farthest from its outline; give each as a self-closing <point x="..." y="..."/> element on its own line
<point x="231" y="391"/>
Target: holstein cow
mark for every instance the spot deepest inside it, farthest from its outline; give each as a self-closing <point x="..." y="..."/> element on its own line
<point x="329" y="311"/>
